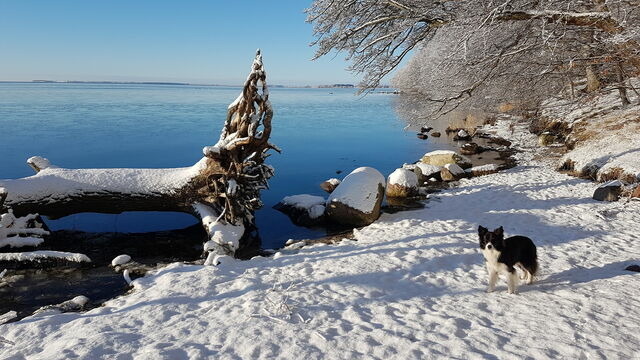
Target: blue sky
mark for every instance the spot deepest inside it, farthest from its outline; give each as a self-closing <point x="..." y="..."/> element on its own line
<point x="185" y="41"/>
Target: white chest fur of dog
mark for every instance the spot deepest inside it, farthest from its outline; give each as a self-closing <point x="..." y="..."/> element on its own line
<point x="495" y="268"/>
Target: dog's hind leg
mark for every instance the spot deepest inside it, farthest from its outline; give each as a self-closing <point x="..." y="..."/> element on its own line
<point x="512" y="282"/>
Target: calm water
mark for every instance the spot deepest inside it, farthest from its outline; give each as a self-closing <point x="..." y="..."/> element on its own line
<point x="321" y="131"/>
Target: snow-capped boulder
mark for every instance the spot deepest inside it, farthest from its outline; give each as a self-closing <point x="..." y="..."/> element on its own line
<point x="443" y="157"/>
<point x="452" y="172"/>
<point x="305" y="210"/>
<point x="357" y="200"/>
<point x="402" y="183"/>
<point x="609" y="191"/>
<point x="330" y="185"/>
<point x="483" y="170"/>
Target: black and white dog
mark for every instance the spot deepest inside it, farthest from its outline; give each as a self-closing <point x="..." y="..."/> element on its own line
<point x="503" y="255"/>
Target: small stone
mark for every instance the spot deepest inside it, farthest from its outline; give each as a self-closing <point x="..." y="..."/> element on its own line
<point x="423" y="136"/>
<point x="636" y="192"/>
<point x="330" y="185"/>
<point x="470" y="149"/>
<point x="452" y="172"/>
<point x="425" y="129"/>
<point x="546" y="139"/>
<point x="436" y="134"/>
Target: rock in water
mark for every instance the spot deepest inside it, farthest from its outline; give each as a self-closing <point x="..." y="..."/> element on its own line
<point x="452" y="172"/>
<point x="436" y="134"/>
<point x="425" y="129"/>
<point x="402" y="183"/>
<point x="443" y="157"/>
<point x="426" y="171"/>
<point x="608" y="191"/>
<point x="470" y="149"/>
<point x="357" y="200"/>
<point x="462" y="135"/>
<point x="305" y="210"/>
<point x="330" y="185"/>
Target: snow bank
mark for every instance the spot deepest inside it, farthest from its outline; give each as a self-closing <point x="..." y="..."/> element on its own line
<point x="44" y="254"/>
<point x="359" y="189"/>
<point x="313" y="205"/>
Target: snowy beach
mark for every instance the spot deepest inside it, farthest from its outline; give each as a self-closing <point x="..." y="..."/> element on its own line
<point x="412" y="286"/>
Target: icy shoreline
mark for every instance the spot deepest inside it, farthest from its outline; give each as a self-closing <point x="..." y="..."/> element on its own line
<point x="411" y="286"/>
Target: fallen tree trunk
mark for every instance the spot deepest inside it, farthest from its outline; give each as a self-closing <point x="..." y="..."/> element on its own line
<point x="57" y="192"/>
<point x="223" y="188"/>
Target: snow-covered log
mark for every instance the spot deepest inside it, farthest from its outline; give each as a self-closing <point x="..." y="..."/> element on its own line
<point x="228" y="179"/>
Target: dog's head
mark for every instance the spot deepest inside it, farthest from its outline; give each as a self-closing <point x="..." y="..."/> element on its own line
<point x="491" y="239"/>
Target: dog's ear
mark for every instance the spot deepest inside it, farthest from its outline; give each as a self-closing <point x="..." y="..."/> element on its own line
<point x="499" y="231"/>
<point x="482" y="230"/>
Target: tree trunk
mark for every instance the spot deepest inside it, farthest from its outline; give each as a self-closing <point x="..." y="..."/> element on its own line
<point x="622" y="88"/>
<point x="593" y="80"/>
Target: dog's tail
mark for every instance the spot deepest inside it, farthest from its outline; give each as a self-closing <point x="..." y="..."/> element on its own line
<point x="532" y="269"/>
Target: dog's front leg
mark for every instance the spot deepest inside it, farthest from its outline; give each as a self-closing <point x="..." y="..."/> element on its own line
<point x="493" y="278"/>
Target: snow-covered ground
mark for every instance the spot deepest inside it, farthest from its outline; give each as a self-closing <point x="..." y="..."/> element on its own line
<point x="411" y="287"/>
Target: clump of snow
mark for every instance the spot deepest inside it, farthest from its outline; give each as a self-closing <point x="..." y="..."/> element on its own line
<point x="313" y="205"/>
<point x="359" y="189"/>
<point x="481" y="168"/>
<point x="39" y="163"/>
<point x="120" y="260"/>
<point x="44" y="254"/>
<point x="441" y="152"/>
<point x="403" y="177"/>
<point x="224" y="238"/>
<point x="76" y="304"/>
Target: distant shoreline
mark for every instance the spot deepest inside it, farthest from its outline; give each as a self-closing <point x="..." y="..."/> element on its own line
<point x="331" y="86"/>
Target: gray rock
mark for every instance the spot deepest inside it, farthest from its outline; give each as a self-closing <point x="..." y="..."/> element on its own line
<point x="609" y="191"/>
